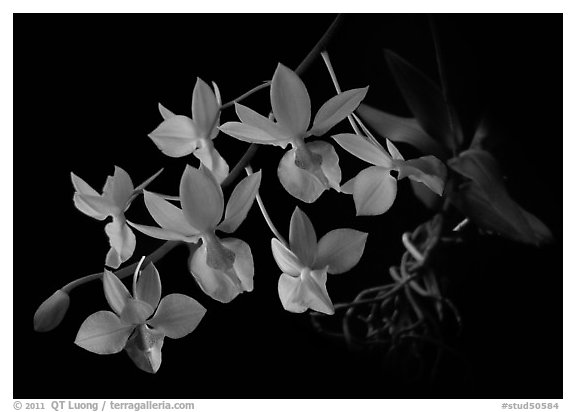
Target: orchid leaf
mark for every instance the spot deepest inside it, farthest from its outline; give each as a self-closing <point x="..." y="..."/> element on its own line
<point x="423" y="97"/>
<point x="286" y="260"/>
<point x="205" y="108"/>
<point x="486" y="201"/>
<point x="337" y="109"/>
<point x="302" y="237"/>
<point x="340" y="250"/>
<point x="167" y="215"/>
<point x="290" y="101"/>
<point x="362" y="149"/>
<point x="201" y="197"/>
<point x="136" y="312"/>
<point x="176" y="136"/>
<point x="177" y="315"/>
<point x="148" y="286"/>
<point x="116" y="293"/>
<point x="240" y="202"/>
<point x="401" y="130"/>
<point x="374" y="191"/>
<point x="103" y="333"/>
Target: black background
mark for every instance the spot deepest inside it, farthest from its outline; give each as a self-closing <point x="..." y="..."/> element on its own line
<point x="86" y="90"/>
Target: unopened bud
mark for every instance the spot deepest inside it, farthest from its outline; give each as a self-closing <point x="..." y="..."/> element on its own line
<point x="51" y="312"/>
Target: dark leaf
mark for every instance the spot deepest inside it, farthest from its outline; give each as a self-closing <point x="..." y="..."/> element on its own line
<point x="484" y="199"/>
<point x="423" y="97"/>
<point x="401" y="129"/>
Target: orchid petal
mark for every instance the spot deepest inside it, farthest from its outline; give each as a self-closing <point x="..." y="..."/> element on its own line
<point x="148" y="286"/>
<point x="205" y="108"/>
<point x="290" y="101"/>
<point x="135" y="312"/>
<point x="348" y="187"/>
<point x="362" y="149"/>
<point x="393" y="150"/>
<point x="298" y="182"/>
<point x="201" y="197"/>
<point x="122" y="242"/>
<point x="210" y="158"/>
<point x="240" y="202"/>
<point x="251" y="134"/>
<point x="340" y="250"/>
<point x="145" y="349"/>
<point x="103" y="333"/>
<point x="217" y="93"/>
<point x="145" y="183"/>
<point x="427" y="170"/>
<point x="286" y="260"/>
<point x="243" y="263"/>
<point x="337" y="109"/>
<point x="306" y="291"/>
<point x="163" y="234"/>
<point x="252" y="118"/>
<point x="374" y="191"/>
<point x="164" y="112"/>
<point x="215" y="283"/>
<point x="329" y="165"/>
<point x="302" y="237"/>
<point x="317" y="298"/>
<point x="115" y="292"/>
<point x="86" y="205"/>
<point x="177" y="315"/>
<point x="121" y="188"/>
<point x="290" y="292"/>
<point x="94" y="206"/>
<point x="167" y="215"/>
<point x="176" y="136"/>
<point x="82" y="187"/>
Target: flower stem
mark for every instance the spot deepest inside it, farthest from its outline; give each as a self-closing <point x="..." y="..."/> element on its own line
<point x="128" y="270"/>
<point x="352" y="118"/>
<point x="265" y="214"/>
<point x="245" y="95"/>
<point x="302" y="67"/>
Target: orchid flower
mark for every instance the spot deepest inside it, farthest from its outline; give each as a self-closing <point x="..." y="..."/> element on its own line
<point x="222" y="267"/>
<point x="307" y="262"/>
<point x="115" y="199"/>
<point x="308" y="169"/>
<point x="178" y="136"/>
<point x="374" y="188"/>
<point x="128" y="326"/>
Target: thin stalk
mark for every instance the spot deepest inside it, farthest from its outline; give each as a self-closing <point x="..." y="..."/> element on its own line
<point x="266" y="215"/>
<point x="245" y="95"/>
<point x="128" y="270"/>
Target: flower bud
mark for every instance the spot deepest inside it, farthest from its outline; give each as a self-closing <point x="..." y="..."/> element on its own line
<point x="51" y="312"/>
